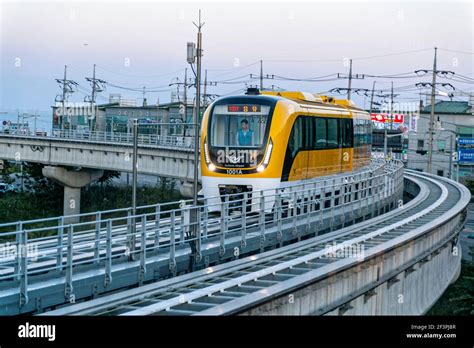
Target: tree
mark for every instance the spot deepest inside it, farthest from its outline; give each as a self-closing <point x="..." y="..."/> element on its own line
<point x="108" y="176"/>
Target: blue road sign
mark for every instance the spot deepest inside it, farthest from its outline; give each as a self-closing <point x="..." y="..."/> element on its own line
<point x="466" y="141"/>
<point x="466" y="155"/>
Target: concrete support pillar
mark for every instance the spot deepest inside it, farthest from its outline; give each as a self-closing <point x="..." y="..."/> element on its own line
<point x="72" y="181"/>
<point x="72" y="201"/>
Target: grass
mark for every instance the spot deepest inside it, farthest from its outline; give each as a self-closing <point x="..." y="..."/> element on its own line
<point x="458" y="299"/>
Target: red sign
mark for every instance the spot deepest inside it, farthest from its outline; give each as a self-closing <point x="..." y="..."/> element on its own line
<point x="243" y="108"/>
<point x="383" y="118"/>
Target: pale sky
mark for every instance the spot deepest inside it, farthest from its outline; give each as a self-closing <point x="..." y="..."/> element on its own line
<point x="139" y="44"/>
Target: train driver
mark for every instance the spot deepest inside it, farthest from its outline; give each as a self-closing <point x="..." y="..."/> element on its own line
<point x="244" y="135"/>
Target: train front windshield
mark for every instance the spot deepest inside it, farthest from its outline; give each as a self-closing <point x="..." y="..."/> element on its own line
<point x="241" y="126"/>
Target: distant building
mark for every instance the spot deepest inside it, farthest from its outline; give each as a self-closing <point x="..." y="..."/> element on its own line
<point x="116" y="116"/>
<point x="454" y="132"/>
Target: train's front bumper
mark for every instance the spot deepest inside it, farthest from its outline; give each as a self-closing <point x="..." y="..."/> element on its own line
<point x="215" y="188"/>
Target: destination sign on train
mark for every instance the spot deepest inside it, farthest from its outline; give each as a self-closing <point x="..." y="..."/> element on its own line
<point x="243" y="108"/>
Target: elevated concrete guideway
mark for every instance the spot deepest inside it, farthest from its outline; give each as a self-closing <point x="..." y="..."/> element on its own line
<point x="172" y="158"/>
<point x="164" y="156"/>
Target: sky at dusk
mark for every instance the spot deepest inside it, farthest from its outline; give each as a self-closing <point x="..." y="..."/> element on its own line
<point x="136" y="44"/>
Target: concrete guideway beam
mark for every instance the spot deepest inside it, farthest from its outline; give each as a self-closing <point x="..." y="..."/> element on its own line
<point x="72" y="181"/>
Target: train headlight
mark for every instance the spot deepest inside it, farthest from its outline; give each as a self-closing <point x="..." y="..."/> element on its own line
<point x="206" y="153"/>
<point x="211" y="167"/>
<point x="261" y="168"/>
<point x="268" y="154"/>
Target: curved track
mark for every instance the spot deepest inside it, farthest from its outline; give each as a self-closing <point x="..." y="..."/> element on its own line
<point x="226" y="288"/>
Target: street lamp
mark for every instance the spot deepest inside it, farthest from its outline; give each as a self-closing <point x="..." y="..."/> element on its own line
<point x="134" y="188"/>
<point x="385" y="140"/>
<point x="451" y="149"/>
<point x="35" y="116"/>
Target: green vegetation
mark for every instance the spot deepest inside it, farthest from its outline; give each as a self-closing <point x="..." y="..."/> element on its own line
<point x="470" y="186"/>
<point x="458" y="299"/>
<point x="43" y="198"/>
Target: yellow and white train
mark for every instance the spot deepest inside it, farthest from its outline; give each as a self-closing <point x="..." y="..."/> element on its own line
<point x="270" y="140"/>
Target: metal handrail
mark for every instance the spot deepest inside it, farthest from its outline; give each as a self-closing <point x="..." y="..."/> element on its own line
<point x="162" y="229"/>
<point x="162" y="139"/>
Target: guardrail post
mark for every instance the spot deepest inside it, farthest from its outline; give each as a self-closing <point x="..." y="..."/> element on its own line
<point x="108" y="261"/>
<point x="309" y="205"/>
<point x="354" y="200"/>
<point x="243" y="239"/>
<point x="24" y="269"/>
<point x="142" y="271"/>
<point x="172" y="263"/>
<point x="68" y="291"/>
<point x="131" y="229"/>
<point x="197" y="228"/>
<point x="360" y="194"/>
<point x="331" y="204"/>
<point x="98" y="223"/>
<point x="185" y="222"/>
<point x="224" y="206"/>
<point x="322" y="203"/>
<point x="18" y="239"/>
<point x="59" y="257"/>
<point x="294" y="211"/>
<point x="205" y="218"/>
<point x="157" y="227"/>
<point x="343" y="198"/>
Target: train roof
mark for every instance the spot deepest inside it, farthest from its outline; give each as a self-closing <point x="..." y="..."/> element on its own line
<point x="313" y="98"/>
<point x="303" y="99"/>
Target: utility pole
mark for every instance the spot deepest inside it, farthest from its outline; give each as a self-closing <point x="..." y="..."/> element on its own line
<point x="97" y="85"/>
<point x="67" y="87"/>
<point x="451" y="156"/>
<point x="92" y="102"/>
<point x="431" y="126"/>
<point x="350" y="77"/>
<point x="144" y="99"/>
<point x="134" y="187"/>
<point x="261" y="75"/>
<point x="64" y="98"/>
<point x="198" y="110"/>
<point x="372" y="98"/>
<point x="391" y="108"/>
<point x="204" y="101"/>
<point x="185" y="96"/>
<point x="350" y="80"/>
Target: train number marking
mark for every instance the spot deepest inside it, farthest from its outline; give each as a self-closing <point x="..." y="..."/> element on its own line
<point x="234" y="171"/>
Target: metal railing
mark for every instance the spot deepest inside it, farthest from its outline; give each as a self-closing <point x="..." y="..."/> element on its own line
<point x="166" y="135"/>
<point x="56" y="247"/>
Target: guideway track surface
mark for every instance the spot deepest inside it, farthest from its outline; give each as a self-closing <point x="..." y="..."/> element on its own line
<point x="214" y="290"/>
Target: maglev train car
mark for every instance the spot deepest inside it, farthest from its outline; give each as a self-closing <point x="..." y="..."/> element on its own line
<point x="269" y="140"/>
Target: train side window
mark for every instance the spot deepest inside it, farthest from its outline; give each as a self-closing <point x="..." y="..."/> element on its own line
<point x="308" y="129"/>
<point x="346" y="132"/>
<point x="296" y="137"/>
<point x="321" y="136"/>
<point x="332" y="133"/>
